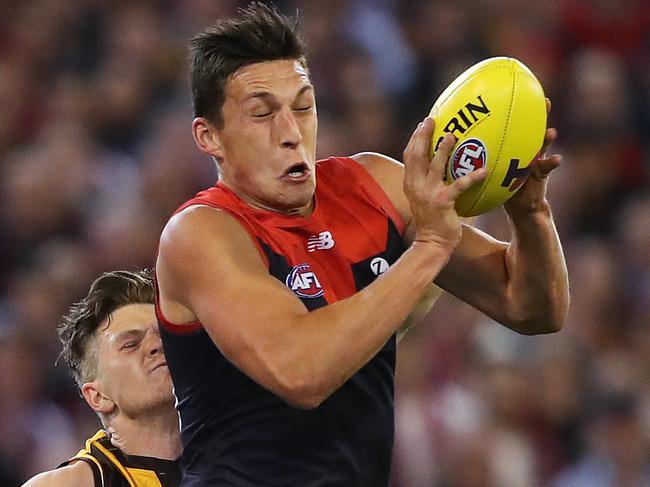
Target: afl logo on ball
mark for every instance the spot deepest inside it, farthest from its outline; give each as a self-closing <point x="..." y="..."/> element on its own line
<point x="302" y="281"/>
<point x="468" y="157"/>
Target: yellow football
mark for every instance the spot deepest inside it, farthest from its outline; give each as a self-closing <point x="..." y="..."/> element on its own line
<point x="497" y="111"/>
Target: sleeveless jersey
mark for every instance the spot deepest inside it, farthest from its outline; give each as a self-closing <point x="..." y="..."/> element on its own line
<point x="112" y="468"/>
<point x="235" y="432"/>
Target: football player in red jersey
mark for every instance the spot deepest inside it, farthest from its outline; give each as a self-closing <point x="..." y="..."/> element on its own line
<point x="295" y="341"/>
<point x="112" y="345"/>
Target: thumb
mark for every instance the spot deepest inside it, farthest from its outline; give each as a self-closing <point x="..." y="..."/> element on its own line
<point x="543" y="167"/>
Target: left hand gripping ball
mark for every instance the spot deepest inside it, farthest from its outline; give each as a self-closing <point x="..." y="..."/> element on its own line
<point x="497" y="111"/>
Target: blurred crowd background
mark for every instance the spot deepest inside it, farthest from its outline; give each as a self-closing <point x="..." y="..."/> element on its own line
<point x="96" y="152"/>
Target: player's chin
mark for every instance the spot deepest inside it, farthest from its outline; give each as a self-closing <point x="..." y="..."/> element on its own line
<point x="161" y="375"/>
<point x="162" y="400"/>
<point x="163" y="394"/>
<point x="298" y="195"/>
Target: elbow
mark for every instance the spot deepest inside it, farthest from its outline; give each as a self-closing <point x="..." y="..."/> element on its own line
<point x="543" y="316"/>
<point x="303" y="401"/>
<point x="291" y="377"/>
<point x="302" y="394"/>
<point x="537" y="326"/>
<point x="549" y="320"/>
<point x="303" y="391"/>
<point x="557" y="322"/>
<point x="557" y="314"/>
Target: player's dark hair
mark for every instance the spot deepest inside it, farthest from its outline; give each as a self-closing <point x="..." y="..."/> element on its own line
<point x="108" y="292"/>
<point x="259" y="33"/>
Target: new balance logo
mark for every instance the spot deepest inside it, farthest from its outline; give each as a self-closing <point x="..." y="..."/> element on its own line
<point x="322" y="241"/>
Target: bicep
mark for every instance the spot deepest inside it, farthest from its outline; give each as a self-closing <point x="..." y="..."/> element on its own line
<point x="209" y="264"/>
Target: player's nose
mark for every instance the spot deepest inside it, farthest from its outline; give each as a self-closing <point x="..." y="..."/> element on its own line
<point x="287" y="130"/>
<point x="156" y="348"/>
<point x="154" y="344"/>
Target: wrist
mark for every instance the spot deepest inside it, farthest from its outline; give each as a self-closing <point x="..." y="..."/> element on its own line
<point x="531" y="222"/>
<point x="434" y="253"/>
<point x="539" y="208"/>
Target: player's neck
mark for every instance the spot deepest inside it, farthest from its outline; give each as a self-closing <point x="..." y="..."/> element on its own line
<point x="155" y="436"/>
<point x="253" y="202"/>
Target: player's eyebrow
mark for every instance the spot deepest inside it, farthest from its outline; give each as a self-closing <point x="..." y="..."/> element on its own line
<point x="304" y="89"/>
<point x="132" y="333"/>
<point x="268" y="96"/>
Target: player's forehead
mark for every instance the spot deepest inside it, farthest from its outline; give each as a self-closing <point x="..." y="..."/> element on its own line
<point x="280" y="78"/>
<point x="131" y="318"/>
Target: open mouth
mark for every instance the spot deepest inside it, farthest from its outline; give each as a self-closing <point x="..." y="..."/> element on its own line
<point x="297" y="171"/>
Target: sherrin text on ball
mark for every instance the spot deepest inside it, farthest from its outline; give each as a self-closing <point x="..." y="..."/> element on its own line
<point x="497" y="111"/>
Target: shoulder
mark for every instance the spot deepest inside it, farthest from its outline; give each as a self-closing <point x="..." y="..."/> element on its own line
<point x="78" y="473"/>
<point x="388" y="173"/>
<point x="380" y="166"/>
<point x="196" y="225"/>
<point x="217" y="239"/>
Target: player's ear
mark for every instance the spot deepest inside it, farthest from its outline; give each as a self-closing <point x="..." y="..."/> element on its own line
<point x="207" y="137"/>
<point x="96" y="399"/>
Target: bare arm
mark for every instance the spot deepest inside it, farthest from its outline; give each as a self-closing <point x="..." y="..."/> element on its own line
<point x="208" y="268"/>
<point x="522" y="284"/>
<point x="78" y="474"/>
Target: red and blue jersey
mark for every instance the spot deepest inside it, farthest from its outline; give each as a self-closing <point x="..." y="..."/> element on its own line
<point x="237" y="433"/>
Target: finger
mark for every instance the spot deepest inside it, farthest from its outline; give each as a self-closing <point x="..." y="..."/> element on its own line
<point x="409" y="146"/>
<point x="548" y="106"/>
<point x="420" y="155"/>
<point x="438" y="164"/>
<point x="549" y="137"/>
<point x="543" y="167"/>
<point x="466" y="182"/>
<point x="408" y="157"/>
<point x="422" y="146"/>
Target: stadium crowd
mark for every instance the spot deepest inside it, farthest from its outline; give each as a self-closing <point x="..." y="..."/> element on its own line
<point x="96" y="152"/>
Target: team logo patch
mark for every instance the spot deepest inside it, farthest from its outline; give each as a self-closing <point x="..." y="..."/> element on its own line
<point x="303" y="282"/>
<point x="322" y="241"/>
<point x="469" y="156"/>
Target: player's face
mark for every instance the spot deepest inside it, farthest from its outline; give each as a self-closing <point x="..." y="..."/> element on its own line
<point x="269" y="136"/>
<point x="131" y="367"/>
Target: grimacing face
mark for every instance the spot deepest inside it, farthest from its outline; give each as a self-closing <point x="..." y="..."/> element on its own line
<point x="131" y="367"/>
<point x="267" y="146"/>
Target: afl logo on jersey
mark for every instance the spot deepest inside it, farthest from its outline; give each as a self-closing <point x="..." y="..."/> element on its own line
<point x="469" y="157"/>
<point x="302" y="281"/>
